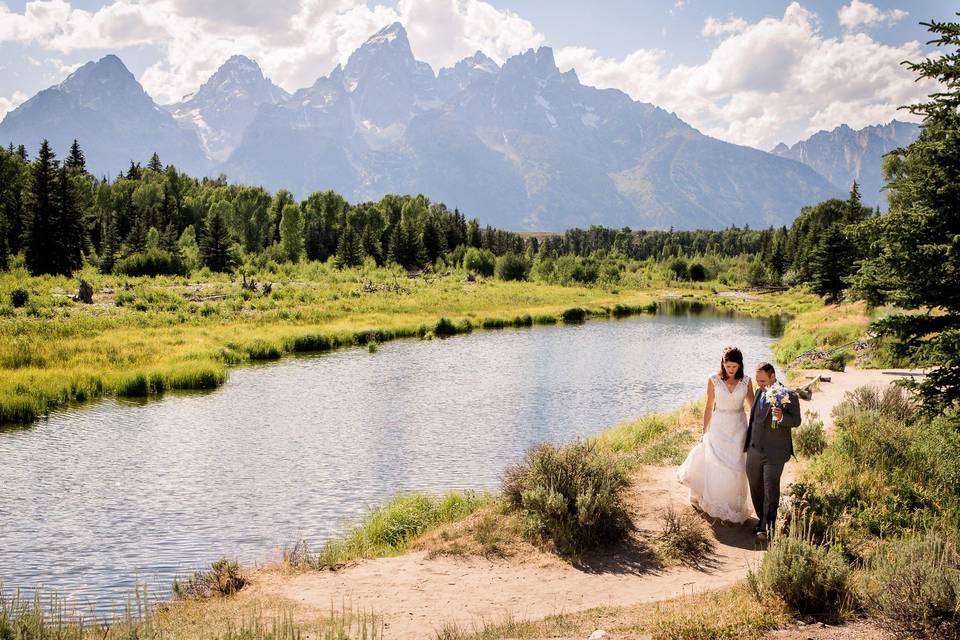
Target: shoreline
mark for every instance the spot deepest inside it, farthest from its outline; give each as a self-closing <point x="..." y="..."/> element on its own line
<point x="202" y="371"/>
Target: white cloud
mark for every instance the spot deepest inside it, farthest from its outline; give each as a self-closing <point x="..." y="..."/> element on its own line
<point x="863" y="13"/>
<point x="775" y="79"/>
<point x="714" y="27"/>
<point x="295" y="41"/>
<point x="778" y="79"/>
<point x="11" y="103"/>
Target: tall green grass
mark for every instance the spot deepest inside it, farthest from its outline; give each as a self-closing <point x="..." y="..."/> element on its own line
<point x="389" y="529"/>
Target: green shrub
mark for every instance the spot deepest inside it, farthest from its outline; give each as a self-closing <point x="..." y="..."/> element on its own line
<point x="571" y="496"/>
<point x="223" y="579"/>
<point x="479" y="261"/>
<point x="511" y="266"/>
<point x="698" y="273"/>
<point x="679" y="269"/>
<point x="890" y="402"/>
<point x="808" y="577"/>
<point x="809" y="439"/>
<point x="574" y="315"/>
<point x="19" y="297"/>
<point x="913" y="587"/>
<point x="152" y="262"/>
<point x="445" y="327"/>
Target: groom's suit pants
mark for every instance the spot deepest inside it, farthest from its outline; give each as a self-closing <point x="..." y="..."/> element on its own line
<point x="764" y="479"/>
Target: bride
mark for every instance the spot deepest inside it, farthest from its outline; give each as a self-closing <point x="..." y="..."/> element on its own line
<point x="715" y="469"/>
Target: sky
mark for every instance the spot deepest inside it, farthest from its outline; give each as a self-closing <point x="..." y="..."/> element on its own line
<point x="754" y="73"/>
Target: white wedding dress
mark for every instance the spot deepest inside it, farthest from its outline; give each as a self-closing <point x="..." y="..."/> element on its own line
<point x="715" y="469"/>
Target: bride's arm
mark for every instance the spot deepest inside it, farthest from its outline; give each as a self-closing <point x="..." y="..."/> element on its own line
<point x="708" y="407"/>
<point x="750" y="394"/>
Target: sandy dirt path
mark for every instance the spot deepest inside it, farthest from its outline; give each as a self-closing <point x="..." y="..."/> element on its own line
<point x="417" y="595"/>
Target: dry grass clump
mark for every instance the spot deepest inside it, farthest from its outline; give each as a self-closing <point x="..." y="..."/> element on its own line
<point x="490" y="532"/>
<point x="223" y="579"/>
<point x="684" y="537"/>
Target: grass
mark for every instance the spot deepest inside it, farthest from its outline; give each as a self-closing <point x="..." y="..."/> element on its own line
<point x="145" y="336"/>
<point x="822" y="329"/>
<point x="655" y="438"/>
<point x="48" y="618"/>
<point x="390" y="529"/>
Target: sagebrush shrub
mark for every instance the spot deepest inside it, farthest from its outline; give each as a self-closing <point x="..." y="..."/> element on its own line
<point x="572" y="496"/>
<point x="809" y="438"/>
<point x="913" y="587"/>
<point x="810" y="578"/>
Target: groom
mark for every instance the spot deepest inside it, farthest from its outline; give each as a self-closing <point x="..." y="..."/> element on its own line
<point x="768" y="448"/>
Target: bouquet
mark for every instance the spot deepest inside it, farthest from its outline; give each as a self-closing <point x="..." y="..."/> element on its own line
<point x="777" y="396"/>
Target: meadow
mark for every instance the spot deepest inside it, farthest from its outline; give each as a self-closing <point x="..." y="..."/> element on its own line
<point x="149" y="335"/>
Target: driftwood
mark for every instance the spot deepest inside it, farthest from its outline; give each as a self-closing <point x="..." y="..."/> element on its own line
<point x="369" y="287"/>
<point x="252" y="285"/>
<point x="84" y="293"/>
<point x="216" y="296"/>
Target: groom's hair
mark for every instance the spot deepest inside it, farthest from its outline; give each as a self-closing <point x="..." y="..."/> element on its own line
<point x="766" y="366"/>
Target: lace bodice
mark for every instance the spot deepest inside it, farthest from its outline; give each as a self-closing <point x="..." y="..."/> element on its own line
<point x="727" y="400"/>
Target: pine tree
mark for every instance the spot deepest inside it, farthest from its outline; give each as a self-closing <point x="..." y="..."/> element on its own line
<point x="370" y="240"/>
<point x="76" y="161"/>
<point x="215" y="243"/>
<point x="134" y="172"/>
<point x="42" y="213"/>
<point x="433" y="242"/>
<point x="349" y="249"/>
<point x="154" y="164"/>
<point x="291" y="232"/>
<point x="831" y="264"/>
<point x="137" y="238"/>
<point x="70" y="240"/>
<point x="919" y="263"/>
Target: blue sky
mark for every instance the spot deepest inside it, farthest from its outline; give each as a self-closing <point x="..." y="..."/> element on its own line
<point x="763" y="72"/>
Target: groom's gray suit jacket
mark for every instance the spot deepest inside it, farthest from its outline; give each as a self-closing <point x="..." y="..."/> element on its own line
<point x="776" y="443"/>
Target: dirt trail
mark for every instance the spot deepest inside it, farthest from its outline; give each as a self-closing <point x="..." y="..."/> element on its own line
<point x="417" y="595"/>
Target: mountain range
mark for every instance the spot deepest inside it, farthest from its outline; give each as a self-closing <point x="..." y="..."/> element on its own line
<point x="520" y="146"/>
<point x="844" y="154"/>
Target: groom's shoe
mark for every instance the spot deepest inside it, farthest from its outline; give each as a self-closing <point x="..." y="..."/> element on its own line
<point x="761" y="534"/>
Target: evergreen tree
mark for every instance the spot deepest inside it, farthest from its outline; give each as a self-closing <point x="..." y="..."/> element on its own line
<point x="291" y="232"/>
<point x="370" y="240"/>
<point x="215" y="244"/>
<point x="134" y="172"/>
<point x="349" y="249"/>
<point x="831" y="264"/>
<point x="918" y="262"/>
<point x="70" y="240"/>
<point x="433" y="243"/>
<point x="42" y="213"/>
<point x="137" y="238"/>
<point x="76" y="161"/>
<point x="155" y="164"/>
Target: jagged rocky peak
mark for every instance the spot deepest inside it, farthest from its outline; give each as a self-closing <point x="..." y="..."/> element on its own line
<point x="452" y="80"/>
<point x="539" y="63"/>
<point x="103" y="81"/>
<point x="239" y="78"/>
<point x="388" y="86"/>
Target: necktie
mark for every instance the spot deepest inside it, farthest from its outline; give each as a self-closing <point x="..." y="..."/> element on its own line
<point x="763" y="401"/>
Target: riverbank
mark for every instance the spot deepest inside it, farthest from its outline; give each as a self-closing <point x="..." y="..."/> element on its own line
<point x="143" y="337"/>
<point x="519" y="590"/>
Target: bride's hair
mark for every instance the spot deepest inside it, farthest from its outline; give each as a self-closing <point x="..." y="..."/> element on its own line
<point x="731" y="354"/>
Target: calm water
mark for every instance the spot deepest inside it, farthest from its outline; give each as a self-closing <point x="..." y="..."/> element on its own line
<point x="95" y="498"/>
